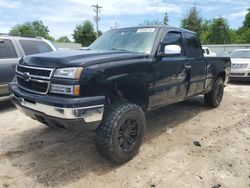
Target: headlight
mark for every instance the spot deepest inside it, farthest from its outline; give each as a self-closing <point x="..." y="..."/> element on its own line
<point x="72" y="72"/>
<point x="65" y="89"/>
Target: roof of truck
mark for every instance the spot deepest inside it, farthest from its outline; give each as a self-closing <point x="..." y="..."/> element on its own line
<point x="247" y="49"/>
<point x="8" y="36"/>
<point x="158" y="26"/>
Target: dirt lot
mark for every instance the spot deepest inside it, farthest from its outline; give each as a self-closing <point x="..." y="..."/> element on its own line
<point x="32" y="155"/>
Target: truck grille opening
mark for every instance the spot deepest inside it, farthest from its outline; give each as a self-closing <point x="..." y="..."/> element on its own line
<point x="34" y="79"/>
<point x="237" y="74"/>
<point x="239" y="66"/>
<point x="35" y="71"/>
<point x="33" y="86"/>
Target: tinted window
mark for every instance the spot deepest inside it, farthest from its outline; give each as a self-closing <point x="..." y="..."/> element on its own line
<point x="6" y="49"/>
<point x="174" y="38"/>
<point x="241" y="54"/>
<point x="34" y="47"/>
<point x="193" y="46"/>
<point x="132" y="39"/>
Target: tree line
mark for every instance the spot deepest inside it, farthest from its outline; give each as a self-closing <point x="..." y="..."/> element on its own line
<point x="84" y="33"/>
<point x="213" y="31"/>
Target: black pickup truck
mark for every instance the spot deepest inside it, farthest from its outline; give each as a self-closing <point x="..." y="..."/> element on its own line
<point x="108" y="86"/>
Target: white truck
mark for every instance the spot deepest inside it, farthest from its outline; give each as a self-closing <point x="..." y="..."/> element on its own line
<point x="240" y="70"/>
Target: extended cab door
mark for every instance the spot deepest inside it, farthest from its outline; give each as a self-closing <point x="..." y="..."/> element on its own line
<point x="170" y="73"/>
<point x="8" y="61"/>
<point x="196" y="62"/>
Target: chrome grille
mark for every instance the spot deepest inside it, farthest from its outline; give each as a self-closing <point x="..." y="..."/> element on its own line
<point x="237" y="74"/>
<point x="34" y="79"/>
<point x="36" y="72"/>
<point x="239" y="66"/>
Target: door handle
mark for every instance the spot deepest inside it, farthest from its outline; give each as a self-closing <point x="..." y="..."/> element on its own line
<point x="187" y="66"/>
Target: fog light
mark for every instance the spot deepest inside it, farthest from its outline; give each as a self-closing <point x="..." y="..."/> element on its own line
<point x="65" y="89"/>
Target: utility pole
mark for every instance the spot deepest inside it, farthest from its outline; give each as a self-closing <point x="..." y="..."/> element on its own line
<point x="97" y="18"/>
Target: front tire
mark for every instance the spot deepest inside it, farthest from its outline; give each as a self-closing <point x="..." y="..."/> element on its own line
<point x="121" y="132"/>
<point x="214" y="97"/>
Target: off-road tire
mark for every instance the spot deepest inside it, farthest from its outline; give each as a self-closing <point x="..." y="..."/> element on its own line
<point x="108" y="134"/>
<point x="214" y="97"/>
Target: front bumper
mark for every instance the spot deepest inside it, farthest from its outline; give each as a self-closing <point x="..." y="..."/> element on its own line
<point x="64" y="112"/>
<point x="4" y="92"/>
<point x="240" y="75"/>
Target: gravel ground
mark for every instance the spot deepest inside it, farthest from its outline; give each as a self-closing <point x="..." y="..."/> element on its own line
<point x="186" y="145"/>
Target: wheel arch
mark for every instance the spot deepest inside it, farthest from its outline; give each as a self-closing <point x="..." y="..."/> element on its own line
<point x="222" y="75"/>
<point x="131" y="90"/>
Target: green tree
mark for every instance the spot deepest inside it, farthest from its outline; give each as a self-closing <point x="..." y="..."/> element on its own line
<point x="246" y="22"/>
<point x="244" y="32"/>
<point x="206" y="26"/>
<point x="64" y="39"/>
<point x="192" y="21"/>
<point x="85" y="33"/>
<point x="99" y="33"/>
<point x="220" y="33"/>
<point x="165" y="19"/>
<point x="244" y="35"/>
<point x="31" y="29"/>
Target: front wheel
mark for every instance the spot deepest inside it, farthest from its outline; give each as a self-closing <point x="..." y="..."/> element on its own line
<point x="120" y="135"/>
<point x="214" y="97"/>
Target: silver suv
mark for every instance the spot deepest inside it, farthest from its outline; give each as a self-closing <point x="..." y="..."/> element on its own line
<point x="12" y="49"/>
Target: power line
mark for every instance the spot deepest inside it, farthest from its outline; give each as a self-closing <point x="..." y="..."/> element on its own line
<point x="97" y="18"/>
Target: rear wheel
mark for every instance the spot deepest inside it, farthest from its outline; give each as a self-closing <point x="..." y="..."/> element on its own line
<point x="120" y="135"/>
<point x="214" y="97"/>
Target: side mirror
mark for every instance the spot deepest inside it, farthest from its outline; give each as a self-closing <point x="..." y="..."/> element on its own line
<point x="172" y="50"/>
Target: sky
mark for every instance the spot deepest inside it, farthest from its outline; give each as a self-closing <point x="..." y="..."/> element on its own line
<point x="62" y="16"/>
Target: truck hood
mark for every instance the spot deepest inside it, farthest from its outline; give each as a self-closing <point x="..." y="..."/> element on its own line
<point x="240" y="60"/>
<point x="77" y="58"/>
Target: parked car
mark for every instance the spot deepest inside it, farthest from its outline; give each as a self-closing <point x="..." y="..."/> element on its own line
<point x="240" y="65"/>
<point x="207" y="52"/>
<point x="12" y="48"/>
<point x="108" y="86"/>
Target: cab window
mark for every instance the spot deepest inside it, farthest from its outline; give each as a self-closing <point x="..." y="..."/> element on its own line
<point x="192" y="45"/>
<point x="7" y="50"/>
<point x="174" y="38"/>
<point x="35" y="47"/>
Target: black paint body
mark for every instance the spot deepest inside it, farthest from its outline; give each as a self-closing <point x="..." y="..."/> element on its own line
<point x="149" y="80"/>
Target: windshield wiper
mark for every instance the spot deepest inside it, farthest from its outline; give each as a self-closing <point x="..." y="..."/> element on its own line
<point x="119" y="49"/>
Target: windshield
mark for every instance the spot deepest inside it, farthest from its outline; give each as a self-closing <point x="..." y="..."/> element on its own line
<point x="241" y="54"/>
<point x="34" y="46"/>
<point x="132" y="40"/>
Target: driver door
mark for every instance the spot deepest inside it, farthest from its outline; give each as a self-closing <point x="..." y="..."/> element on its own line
<point x="170" y="73"/>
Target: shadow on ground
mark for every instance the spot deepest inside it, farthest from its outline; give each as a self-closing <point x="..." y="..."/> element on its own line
<point x="58" y="157"/>
<point x="6" y="106"/>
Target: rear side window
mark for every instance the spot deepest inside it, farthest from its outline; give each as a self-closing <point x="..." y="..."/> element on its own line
<point x="7" y="49"/>
<point x="192" y="45"/>
<point x="174" y="38"/>
<point x="34" y="47"/>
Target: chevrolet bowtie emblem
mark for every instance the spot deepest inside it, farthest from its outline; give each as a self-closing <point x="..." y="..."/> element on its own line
<point x="26" y="76"/>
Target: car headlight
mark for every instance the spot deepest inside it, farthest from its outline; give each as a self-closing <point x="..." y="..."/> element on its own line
<point x="71" y="72"/>
<point x="73" y="90"/>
